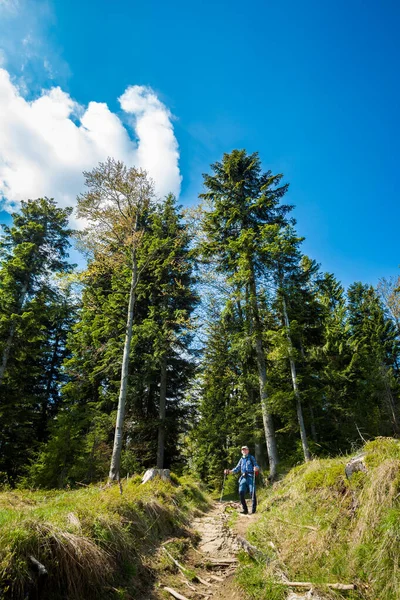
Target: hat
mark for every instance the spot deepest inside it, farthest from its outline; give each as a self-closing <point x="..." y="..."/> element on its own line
<point x="244" y="448"/>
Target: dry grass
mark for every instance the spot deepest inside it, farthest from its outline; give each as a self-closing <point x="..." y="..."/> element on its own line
<point x="325" y="528"/>
<point x="89" y="540"/>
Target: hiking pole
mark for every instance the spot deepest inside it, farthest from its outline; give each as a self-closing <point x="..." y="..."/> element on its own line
<point x="223" y="485"/>
<point x="254" y="490"/>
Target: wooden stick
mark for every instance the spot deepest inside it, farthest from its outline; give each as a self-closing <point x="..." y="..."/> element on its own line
<point x="185" y="581"/>
<point x="296" y="525"/>
<point x="334" y="586"/>
<point x="250" y="549"/>
<point x="182" y="568"/>
<point x="203" y="581"/>
<point x="223" y="561"/>
<point x="175" y="594"/>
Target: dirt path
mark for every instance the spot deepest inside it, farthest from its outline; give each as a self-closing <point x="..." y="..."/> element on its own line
<point x="214" y="559"/>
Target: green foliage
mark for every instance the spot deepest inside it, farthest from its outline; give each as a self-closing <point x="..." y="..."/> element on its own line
<point x="37" y="309"/>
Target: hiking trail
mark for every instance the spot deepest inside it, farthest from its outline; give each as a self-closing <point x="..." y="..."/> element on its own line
<point x="214" y="559"/>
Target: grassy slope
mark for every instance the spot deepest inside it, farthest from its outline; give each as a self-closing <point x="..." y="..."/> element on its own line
<point x="324" y="528"/>
<point x="94" y="543"/>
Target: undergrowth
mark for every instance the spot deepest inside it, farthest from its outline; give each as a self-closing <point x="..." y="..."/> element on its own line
<point x="94" y="543"/>
<point x="318" y="526"/>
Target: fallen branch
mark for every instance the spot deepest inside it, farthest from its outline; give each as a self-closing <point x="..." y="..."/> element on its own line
<point x="203" y="581"/>
<point x="175" y="594"/>
<point x="183" y="570"/>
<point x="333" y="586"/>
<point x="296" y="525"/>
<point x="191" y="587"/>
<point x="251" y="550"/>
<point x="222" y="562"/>
<point x="180" y="567"/>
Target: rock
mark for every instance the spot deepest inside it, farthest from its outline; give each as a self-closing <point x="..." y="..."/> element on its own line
<point x="355" y="464"/>
<point x="152" y="473"/>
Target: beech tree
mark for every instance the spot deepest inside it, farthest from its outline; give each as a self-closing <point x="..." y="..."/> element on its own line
<point x="116" y="207"/>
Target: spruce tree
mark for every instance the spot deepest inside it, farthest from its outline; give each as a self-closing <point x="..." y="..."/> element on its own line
<point x="35" y="317"/>
<point x="242" y="201"/>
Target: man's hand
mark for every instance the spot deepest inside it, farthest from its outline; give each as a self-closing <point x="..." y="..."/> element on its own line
<point x="256" y="470"/>
<point x="227" y="471"/>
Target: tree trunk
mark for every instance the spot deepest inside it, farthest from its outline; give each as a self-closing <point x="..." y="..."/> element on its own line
<point x="6" y="351"/>
<point x="46" y="401"/>
<point x="303" y="434"/>
<point x="262" y="376"/>
<point x="312" y="424"/>
<point x="162" y="412"/>
<point x="116" y="454"/>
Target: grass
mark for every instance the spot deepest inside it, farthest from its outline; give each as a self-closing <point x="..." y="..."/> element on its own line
<point x="325" y="528"/>
<point x="94" y="543"/>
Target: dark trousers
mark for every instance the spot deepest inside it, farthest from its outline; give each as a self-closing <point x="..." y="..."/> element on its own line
<point x="246" y="483"/>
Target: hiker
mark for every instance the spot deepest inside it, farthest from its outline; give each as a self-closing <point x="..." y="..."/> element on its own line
<point x="248" y="468"/>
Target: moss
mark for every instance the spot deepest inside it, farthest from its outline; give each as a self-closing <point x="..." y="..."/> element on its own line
<point x="325" y="474"/>
<point x="379" y="449"/>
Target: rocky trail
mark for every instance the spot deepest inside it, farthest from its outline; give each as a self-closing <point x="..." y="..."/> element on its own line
<point x="214" y="560"/>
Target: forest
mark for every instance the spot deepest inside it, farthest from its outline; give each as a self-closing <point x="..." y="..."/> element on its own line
<point x="187" y="334"/>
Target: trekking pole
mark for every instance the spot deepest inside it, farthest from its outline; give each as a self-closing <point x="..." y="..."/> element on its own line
<point x="254" y="489"/>
<point x="223" y="485"/>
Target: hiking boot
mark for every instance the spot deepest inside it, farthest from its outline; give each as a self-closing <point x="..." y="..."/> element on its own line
<point x="244" y="512"/>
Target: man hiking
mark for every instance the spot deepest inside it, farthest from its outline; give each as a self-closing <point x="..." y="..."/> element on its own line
<point x="248" y="468"/>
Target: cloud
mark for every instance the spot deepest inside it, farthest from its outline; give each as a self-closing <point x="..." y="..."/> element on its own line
<point x="46" y="143"/>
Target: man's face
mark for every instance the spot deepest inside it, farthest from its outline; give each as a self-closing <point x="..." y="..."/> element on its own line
<point x="245" y="451"/>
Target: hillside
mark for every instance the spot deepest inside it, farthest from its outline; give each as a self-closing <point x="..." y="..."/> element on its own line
<point x="314" y="525"/>
<point x="318" y="526"/>
<point x="93" y="542"/>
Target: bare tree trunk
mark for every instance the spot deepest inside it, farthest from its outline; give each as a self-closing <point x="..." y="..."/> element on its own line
<point x="262" y="377"/>
<point x="7" y="348"/>
<point x="116" y="454"/>
<point x="312" y="423"/>
<point x="300" y="419"/>
<point x="162" y="413"/>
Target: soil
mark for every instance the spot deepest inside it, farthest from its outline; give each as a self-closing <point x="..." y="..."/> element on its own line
<point x="214" y="559"/>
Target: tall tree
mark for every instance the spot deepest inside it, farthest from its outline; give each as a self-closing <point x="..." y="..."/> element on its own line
<point x="242" y="202"/>
<point x="35" y="316"/>
<point x="116" y="207"/>
<point x="171" y="298"/>
<point x="283" y="252"/>
<point x="375" y="350"/>
<point x="35" y="246"/>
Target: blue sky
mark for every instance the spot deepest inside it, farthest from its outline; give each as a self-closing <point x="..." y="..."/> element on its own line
<point x="313" y="86"/>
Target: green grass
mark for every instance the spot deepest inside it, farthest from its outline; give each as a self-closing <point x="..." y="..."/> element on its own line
<point x="94" y="543"/>
<point x="317" y="526"/>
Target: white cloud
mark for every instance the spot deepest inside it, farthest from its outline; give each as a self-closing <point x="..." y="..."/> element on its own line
<point x="45" y="144"/>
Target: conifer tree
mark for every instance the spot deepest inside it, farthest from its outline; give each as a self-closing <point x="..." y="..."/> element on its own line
<point x="242" y="202"/>
<point x="34" y="320"/>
